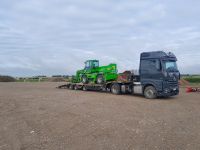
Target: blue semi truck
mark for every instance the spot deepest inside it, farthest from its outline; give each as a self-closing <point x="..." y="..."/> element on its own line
<point x="158" y="77"/>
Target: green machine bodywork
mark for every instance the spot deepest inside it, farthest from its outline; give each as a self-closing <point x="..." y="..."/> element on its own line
<point x="95" y="73"/>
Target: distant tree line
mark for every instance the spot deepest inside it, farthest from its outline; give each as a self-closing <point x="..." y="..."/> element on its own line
<point x="39" y="78"/>
<point x="7" y="78"/>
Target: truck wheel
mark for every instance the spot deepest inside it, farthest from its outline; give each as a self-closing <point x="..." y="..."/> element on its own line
<point x="84" y="80"/>
<point x="150" y="92"/>
<point x="71" y="87"/>
<point x="100" y="79"/>
<point x="116" y="89"/>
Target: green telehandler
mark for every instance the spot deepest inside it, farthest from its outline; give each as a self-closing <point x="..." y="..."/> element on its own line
<point x="96" y="74"/>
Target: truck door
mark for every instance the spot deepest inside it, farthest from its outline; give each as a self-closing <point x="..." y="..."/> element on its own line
<point x="151" y="73"/>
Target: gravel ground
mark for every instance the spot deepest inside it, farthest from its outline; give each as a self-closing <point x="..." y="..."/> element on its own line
<point x="38" y="116"/>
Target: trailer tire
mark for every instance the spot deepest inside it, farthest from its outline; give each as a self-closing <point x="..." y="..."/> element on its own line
<point x="150" y="92"/>
<point x="75" y="87"/>
<point x="100" y="79"/>
<point x="84" y="79"/>
<point x="116" y="89"/>
<point x="71" y="87"/>
<point x="84" y="88"/>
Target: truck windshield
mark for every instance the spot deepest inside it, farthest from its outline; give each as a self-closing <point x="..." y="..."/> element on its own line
<point x="170" y="65"/>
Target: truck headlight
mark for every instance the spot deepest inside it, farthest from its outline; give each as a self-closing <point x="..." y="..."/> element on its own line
<point x="166" y="90"/>
<point x="171" y="74"/>
<point x="165" y="74"/>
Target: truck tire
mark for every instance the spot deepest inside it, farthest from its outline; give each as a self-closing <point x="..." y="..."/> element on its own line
<point x="116" y="89"/>
<point x="100" y="79"/>
<point x="84" y="79"/>
<point x="150" y="92"/>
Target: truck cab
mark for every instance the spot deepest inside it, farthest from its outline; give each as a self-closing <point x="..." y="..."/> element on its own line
<point x="159" y="74"/>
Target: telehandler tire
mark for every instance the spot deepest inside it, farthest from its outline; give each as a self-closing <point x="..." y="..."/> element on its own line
<point x="100" y="79"/>
<point x="84" y="79"/>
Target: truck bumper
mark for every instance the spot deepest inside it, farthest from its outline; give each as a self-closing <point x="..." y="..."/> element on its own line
<point x="169" y="92"/>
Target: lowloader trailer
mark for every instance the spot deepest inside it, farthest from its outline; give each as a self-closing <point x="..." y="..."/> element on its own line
<point x="158" y="77"/>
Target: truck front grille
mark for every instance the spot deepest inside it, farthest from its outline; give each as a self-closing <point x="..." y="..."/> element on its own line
<point x="173" y="83"/>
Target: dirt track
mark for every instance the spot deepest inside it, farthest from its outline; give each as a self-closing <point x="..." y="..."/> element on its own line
<point x="38" y="116"/>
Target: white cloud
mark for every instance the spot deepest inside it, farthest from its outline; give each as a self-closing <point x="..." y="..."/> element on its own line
<point x="56" y="37"/>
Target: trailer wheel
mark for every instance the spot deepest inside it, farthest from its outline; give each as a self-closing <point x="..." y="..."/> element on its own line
<point x="116" y="88"/>
<point x="71" y="87"/>
<point x="84" y="88"/>
<point x="150" y="92"/>
<point x="75" y="87"/>
<point x="100" y="79"/>
<point x="84" y="79"/>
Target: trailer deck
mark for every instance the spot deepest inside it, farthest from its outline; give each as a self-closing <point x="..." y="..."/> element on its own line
<point x="115" y="87"/>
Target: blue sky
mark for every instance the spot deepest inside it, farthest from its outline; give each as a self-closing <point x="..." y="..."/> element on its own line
<point x="56" y="36"/>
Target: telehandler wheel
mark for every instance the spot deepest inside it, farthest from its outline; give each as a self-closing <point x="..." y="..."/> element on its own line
<point x="100" y="79"/>
<point x="150" y="92"/>
<point x="116" y="89"/>
<point x="84" y="80"/>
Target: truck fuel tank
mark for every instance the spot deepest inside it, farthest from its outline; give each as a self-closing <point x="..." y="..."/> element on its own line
<point x="137" y="88"/>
